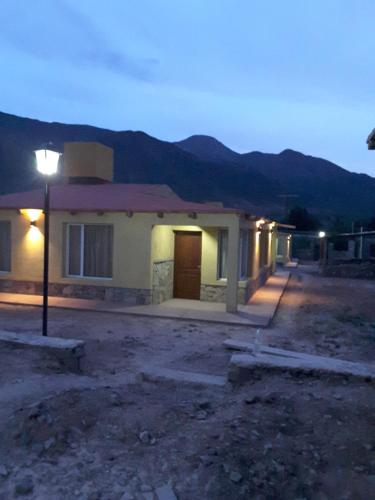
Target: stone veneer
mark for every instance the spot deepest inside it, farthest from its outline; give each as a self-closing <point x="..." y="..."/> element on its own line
<point x="129" y="296"/>
<point x="218" y="293"/>
<point x="162" y="281"/>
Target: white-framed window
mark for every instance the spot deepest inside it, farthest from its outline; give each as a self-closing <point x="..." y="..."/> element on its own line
<point x="243" y="255"/>
<point x="243" y="258"/>
<point x="222" y="254"/>
<point x="5" y="246"/>
<point x="89" y="250"/>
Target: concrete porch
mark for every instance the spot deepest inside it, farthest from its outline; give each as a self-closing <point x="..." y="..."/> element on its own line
<point x="257" y="313"/>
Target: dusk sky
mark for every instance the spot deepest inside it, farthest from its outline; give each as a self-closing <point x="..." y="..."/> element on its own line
<point x="257" y="75"/>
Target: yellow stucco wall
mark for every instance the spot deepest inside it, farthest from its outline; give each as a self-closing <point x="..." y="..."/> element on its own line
<point x="163" y="248"/>
<point x="138" y="241"/>
<point x="88" y="159"/>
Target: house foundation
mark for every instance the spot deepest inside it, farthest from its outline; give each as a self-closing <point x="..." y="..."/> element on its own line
<point x="128" y="296"/>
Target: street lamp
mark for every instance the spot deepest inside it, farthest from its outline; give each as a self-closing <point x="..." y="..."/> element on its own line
<point x="46" y="162"/>
<point x="323" y="247"/>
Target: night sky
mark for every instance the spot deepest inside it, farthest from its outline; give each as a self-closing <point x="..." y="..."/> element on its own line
<point x="256" y="74"/>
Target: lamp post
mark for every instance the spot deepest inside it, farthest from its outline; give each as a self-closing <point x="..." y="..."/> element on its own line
<point x="46" y="162"/>
<point x="323" y="247"/>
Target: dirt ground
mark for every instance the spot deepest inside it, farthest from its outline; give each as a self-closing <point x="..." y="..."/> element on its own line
<point x="108" y="435"/>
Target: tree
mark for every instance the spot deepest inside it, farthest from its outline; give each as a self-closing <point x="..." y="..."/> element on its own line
<point x="302" y="219"/>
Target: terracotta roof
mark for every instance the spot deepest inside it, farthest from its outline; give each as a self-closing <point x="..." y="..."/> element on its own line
<point x="110" y="197"/>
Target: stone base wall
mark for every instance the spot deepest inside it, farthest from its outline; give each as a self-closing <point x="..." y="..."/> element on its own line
<point x="162" y="281"/>
<point x="128" y="296"/>
<point x="218" y="293"/>
<point x="213" y="293"/>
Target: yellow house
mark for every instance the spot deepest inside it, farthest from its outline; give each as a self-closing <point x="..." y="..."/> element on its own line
<point x="134" y="243"/>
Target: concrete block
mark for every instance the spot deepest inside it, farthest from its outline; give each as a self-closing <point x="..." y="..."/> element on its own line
<point x="158" y="374"/>
<point x="68" y="351"/>
<point x="243" y="367"/>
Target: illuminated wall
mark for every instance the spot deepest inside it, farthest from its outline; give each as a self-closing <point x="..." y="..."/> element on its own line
<point x="138" y="241"/>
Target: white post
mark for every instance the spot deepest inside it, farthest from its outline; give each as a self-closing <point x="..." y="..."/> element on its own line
<point x="232" y="266"/>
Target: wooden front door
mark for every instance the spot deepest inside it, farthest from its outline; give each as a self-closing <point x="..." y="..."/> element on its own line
<point x="187" y="265"/>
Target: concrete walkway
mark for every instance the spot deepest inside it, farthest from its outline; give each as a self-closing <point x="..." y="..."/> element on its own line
<point x="257" y="313"/>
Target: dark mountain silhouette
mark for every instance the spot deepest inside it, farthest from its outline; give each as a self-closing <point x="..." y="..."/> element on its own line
<point x="198" y="169"/>
<point x="138" y="158"/>
<point x="208" y="148"/>
<point x="321" y="185"/>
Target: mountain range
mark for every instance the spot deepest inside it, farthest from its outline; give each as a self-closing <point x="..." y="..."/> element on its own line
<point x="199" y="168"/>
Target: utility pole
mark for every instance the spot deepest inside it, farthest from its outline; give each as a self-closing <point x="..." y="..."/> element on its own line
<point x="287" y="197"/>
<point x="361" y="244"/>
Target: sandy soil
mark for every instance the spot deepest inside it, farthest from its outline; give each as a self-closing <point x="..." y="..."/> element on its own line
<point x="107" y="435"/>
<point x="326" y="316"/>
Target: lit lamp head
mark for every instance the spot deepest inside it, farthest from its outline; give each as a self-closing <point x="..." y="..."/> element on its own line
<point x="322" y="234"/>
<point x="47" y="161"/>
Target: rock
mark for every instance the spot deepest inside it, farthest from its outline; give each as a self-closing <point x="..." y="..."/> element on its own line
<point x="3" y="471"/>
<point x="252" y="400"/>
<point x="165" y="492"/>
<point x="89" y="422"/>
<point x="35" y="412"/>
<point x="226" y="468"/>
<point x="127" y="496"/>
<point x="204" y="405"/>
<point x="148" y="496"/>
<point x="49" y="443"/>
<point x="146" y="488"/>
<point x="206" y="460"/>
<point x="201" y="415"/>
<point x="359" y="469"/>
<point x="235" y="477"/>
<point x="24" y="485"/>
<point x="146" y="438"/>
<point x="267" y="447"/>
<point x="115" y="399"/>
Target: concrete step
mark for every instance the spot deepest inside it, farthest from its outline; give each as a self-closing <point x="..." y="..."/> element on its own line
<point x="68" y="351"/>
<point x="243" y="366"/>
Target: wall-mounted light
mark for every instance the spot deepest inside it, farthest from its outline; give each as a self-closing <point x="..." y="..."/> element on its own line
<point x="33" y="214"/>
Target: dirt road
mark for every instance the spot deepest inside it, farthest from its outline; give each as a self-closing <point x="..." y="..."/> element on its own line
<point x="108" y="435"/>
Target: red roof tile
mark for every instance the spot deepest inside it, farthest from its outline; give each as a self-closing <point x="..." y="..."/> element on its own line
<point x="110" y="197"/>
